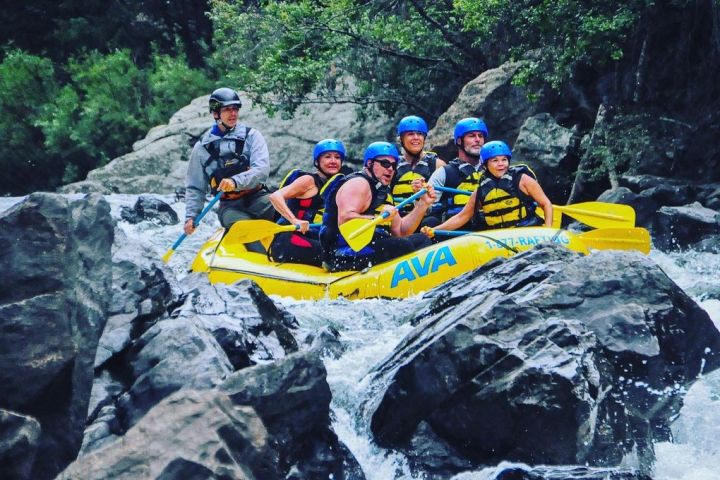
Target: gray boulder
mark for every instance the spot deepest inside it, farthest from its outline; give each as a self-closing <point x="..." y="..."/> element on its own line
<point x="546" y="148"/>
<point x="158" y="162"/>
<point x="677" y="228"/>
<point x="190" y="434"/>
<point x="546" y="358"/>
<point x="19" y="439"/>
<point x="54" y="296"/>
<point x="492" y="97"/>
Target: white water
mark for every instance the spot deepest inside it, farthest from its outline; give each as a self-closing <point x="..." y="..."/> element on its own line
<point x="371" y="328"/>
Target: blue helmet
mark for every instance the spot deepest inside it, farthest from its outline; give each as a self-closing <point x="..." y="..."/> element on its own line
<point x="494" y="149"/>
<point x="328" y="145"/>
<point x="378" y="149"/>
<point x="467" y="125"/>
<point x="412" y="124"/>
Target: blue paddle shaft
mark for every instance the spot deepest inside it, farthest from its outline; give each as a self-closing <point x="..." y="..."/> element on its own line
<point x="452" y="232"/>
<point x="411" y="198"/>
<point x="196" y="220"/>
<point x="453" y="190"/>
<point x="311" y="226"/>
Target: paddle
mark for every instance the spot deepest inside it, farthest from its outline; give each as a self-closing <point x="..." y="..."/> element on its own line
<point x="247" y="231"/>
<point x="358" y="232"/>
<point x="610" y="238"/>
<point x="196" y="222"/>
<point x="594" y="214"/>
<point x="617" y="239"/>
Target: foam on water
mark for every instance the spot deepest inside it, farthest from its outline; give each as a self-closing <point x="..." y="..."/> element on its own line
<point x="694" y="453"/>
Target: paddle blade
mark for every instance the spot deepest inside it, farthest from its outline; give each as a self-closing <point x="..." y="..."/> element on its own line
<point x="247" y="231"/>
<point x="617" y="239"/>
<point x="358" y="232"/>
<point x="168" y="254"/>
<point x="600" y="214"/>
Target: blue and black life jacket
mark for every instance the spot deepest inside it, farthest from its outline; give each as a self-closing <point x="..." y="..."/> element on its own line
<point x="330" y="236"/>
<point x="461" y="176"/>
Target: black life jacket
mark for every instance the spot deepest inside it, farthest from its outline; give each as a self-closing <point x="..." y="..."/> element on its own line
<point x="503" y="203"/>
<point x="330" y="236"/>
<point x="461" y="176"/>
<point x="310" y="209"/>
<point x="401" y="185"/>
<point x="228" y="163"/>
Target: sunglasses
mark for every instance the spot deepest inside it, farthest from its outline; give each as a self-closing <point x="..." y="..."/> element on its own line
<point x="387" y="164"/>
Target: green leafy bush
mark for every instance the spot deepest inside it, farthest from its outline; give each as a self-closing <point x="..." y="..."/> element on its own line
<point x="26" y="85"/>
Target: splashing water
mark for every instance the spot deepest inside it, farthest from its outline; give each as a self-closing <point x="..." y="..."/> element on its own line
<point x="370" y="329"/>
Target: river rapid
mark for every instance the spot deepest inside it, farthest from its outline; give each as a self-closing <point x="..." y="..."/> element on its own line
<point x="370" y="329"/>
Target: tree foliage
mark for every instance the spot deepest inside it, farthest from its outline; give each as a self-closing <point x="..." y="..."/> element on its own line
<point x="26" y="84"/>
<point x="57" y="132"/>
<point x="413" y="55"/>
<point x="393" y="55"/>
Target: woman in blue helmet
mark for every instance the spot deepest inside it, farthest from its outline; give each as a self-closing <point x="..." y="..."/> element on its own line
<point x="365" y="194"/>
<point x="300" y="203"/>
<point x="416" y="163"/>
<point x="506" y="196"/>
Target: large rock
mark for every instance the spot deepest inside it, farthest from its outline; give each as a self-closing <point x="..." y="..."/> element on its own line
<point x="292" y="397"/>
<point x="546" y="358"/>
<point x="492" y="97"/>
<point x="677" y="228"/>
<point x="54" y="295"/>
<point x="158" y="162"/>
<point x="19" y="439"/>
<point x="546" y="147"/>
<point x="145" y="355"/>
<point x="189" y="435"/>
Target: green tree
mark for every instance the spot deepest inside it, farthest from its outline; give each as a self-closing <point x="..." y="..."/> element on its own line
<point x="173" y="84"/>
<point x="98" y="114"/>
<point x="26" y="84"/>
<point x="393" y="55"/>
<point x="109" y="103"/>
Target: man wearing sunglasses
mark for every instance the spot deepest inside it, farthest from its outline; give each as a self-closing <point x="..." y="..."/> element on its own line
<point x="365" y="194"/>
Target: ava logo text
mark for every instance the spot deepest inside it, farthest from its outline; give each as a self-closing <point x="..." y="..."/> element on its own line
<point x="421" y="265"/>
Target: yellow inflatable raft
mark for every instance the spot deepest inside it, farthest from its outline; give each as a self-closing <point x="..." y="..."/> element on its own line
<point x="227" y="261"/>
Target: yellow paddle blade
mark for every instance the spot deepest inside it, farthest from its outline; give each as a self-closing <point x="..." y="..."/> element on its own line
<point x="557" y="216"/>
<point x="358" y="232"/>
<point x="246" y="231"/>
<point x="168" y="254"/>
<point x="617" y="239"/>
<point x="600" y="214"/>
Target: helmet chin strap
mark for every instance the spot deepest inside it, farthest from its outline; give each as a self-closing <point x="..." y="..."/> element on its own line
<point x="377" y="181"/>
<point x="219" y="122"/>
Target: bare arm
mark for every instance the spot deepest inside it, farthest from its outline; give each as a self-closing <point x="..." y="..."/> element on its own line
<point x="352" y="199"/>
<point x="404" y="226"/>
<point x="462" y="217"/>
<point x="302" y="187"/>
<point x="530" y="186"/>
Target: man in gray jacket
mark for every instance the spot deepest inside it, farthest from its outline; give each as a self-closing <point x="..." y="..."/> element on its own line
<point x="229" y="158"/>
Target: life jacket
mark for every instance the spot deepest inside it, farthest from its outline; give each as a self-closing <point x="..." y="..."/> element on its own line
<point x="503" y="203"/>
<point x="330" y="237"/>
<point x="228" y="159"/>
<point x="461" y="176"/>
<point x="310" y="209"/>
<point x="402" y="181"/>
